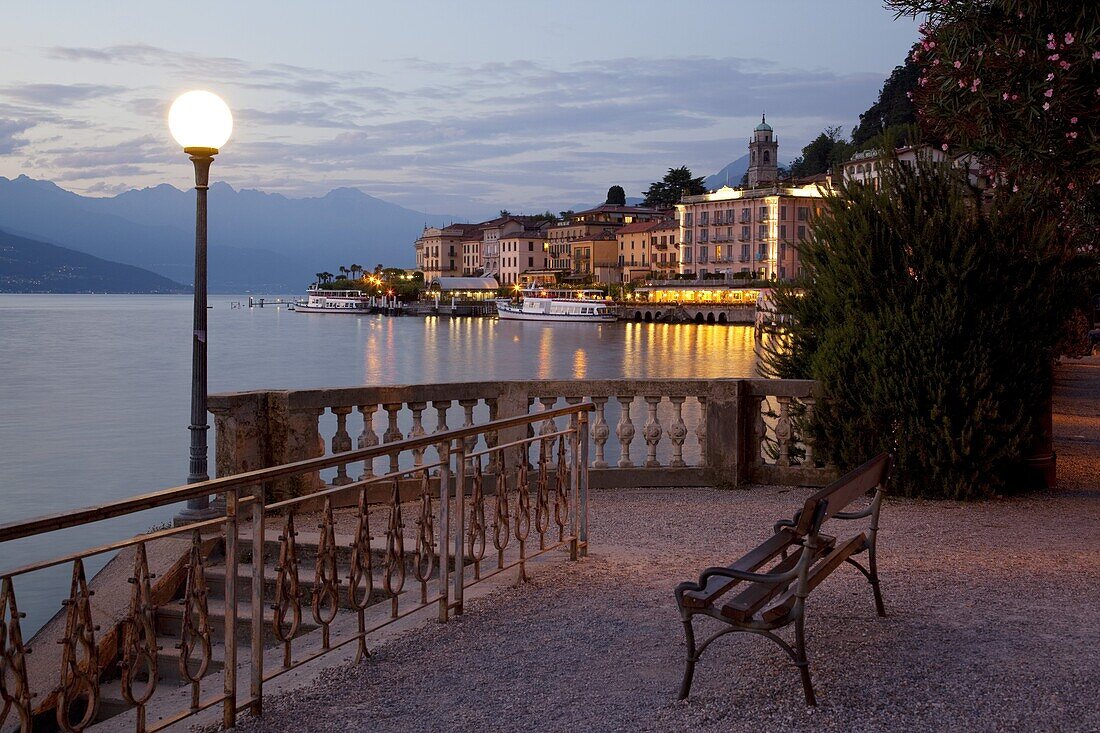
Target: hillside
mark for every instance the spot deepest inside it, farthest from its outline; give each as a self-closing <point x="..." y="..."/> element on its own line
<point x="258" y="241"/>
<point x="29" y="266"/>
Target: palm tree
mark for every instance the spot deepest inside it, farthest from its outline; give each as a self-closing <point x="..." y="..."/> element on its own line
<point x="327" y="276"/>
<point x="320" y="277"/>
<point x="356" y="269"/>
<point x="343" y="272"/>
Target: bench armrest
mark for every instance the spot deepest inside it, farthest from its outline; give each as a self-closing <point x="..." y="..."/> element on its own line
<point x="855" y="515"/>
<point x="724" y="572"/>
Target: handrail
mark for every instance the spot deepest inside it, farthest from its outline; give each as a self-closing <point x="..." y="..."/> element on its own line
<point x="85" y="515"/>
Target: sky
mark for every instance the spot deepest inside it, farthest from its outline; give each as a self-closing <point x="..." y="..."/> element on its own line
<point x="462" y="107"/>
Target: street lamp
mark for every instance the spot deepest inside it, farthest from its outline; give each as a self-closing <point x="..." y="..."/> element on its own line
<point x="201" y="123"/>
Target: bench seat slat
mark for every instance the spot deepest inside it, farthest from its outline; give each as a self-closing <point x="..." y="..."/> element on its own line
<point x="742" y="606"/>
<point x="818" y="573"/>
<point x="750" y="562"/>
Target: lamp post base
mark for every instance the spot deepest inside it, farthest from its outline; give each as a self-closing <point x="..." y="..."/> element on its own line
<point x="192" y="514"/>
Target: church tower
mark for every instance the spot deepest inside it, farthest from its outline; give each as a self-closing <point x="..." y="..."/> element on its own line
<point x="763" y="150"/>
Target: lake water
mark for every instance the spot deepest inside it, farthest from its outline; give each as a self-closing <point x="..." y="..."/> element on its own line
<point x="95" y="390"/>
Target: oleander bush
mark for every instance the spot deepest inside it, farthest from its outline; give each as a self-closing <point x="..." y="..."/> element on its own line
<point x="927" y="318"/>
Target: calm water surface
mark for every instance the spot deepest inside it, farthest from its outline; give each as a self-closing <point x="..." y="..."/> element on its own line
<point x="95" y="390"/>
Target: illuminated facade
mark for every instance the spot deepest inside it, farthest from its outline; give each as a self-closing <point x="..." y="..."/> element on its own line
<point x="439" y="250"/>
<point x="593" y="225"/>
<point x="648" y="247"/>
<point x="523" y="251"/>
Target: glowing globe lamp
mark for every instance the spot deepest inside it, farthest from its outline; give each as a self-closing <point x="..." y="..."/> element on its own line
<point x="200" y="120"/>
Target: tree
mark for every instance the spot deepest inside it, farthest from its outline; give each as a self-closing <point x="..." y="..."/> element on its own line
<point x="356" y="270"/>
<point x="566" y="215"/>
<point x="616" y="196"/>
<point x="1014" y="81"/>
<point x="926" y="320"/>
<point x="320" y="277"/>
<point x="893" y="111"/>
<point x="677" y="183"/>
<point x="343" y="271"/>
<point x="823" y="153"/>
<point x="505" y="213"/>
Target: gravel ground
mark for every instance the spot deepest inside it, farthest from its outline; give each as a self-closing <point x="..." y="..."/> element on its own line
<point x="993" y="623"/>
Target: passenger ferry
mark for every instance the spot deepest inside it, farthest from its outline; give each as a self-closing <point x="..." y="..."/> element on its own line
<point x="557" y="306"/>
<point x="333" y="301"/>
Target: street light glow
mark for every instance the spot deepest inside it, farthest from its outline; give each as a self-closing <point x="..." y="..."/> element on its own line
<point x="200" y="119"/>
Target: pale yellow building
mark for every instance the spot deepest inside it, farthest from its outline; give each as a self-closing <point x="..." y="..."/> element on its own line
<point x="522" y="251"/>
<point x="439" y="249"/>
<point x="648" y="248"/>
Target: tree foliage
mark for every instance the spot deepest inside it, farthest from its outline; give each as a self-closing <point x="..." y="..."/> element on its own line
<point x="827" y="150"/>
<point x="677" y="183"/>
<point x="1016" y="82"/>
<point x="893" y="111"/>
<point x="616" y="196"/>
<point x="925" y="318"/>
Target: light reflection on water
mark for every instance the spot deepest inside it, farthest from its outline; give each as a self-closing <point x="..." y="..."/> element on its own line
<point x="95" y="390"/>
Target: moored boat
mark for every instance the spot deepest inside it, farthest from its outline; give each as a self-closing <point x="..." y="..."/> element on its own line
<point x="557" y="306"/>
<point x="333" y="301"/>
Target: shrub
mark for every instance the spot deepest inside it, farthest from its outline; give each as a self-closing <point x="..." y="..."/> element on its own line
<point x="927" y="321"/>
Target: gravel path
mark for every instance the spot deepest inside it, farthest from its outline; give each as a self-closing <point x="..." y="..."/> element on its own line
<point x="993" y="624"/>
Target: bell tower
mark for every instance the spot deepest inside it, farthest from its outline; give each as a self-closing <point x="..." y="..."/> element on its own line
<point x="763" y="150"/>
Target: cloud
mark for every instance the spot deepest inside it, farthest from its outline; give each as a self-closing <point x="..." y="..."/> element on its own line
<point x="10" y="131"/>
<point x="58" y="95"/>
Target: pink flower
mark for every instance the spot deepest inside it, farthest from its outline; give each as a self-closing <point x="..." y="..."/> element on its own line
<point x="1064" y="65"/>
<point x="1020" y="52"/>
<point x="958" y="64"/>
<point x="975" y="84"/>
<point x="944" y="147"/>
<point x="1015" y="188"/>
<point x="909" y="95"/>
<point x="1073" y="120"/>
<point x="1046" y="105"/>
<point x="1052" y="45"/>
<point x="980" y="53"/>
<point x="1053" y="57"/>
<point x="1071" y="185"/>
<point x="1015" y="97"/>
<point x="1004" y="97"/>
<point x="1050" y="77"/>
<point x="1069" y="38"/>
<point x="961" y="83"/>
<point x="1048" y="93"/>
<point x="1095" y="55"/>
<point x="1072" y="135"/>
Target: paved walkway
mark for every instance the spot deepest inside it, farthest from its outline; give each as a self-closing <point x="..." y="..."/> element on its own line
<point x="993" y="623"/>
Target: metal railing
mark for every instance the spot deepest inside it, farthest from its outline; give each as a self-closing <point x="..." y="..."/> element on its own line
<point x="447" y="556"/>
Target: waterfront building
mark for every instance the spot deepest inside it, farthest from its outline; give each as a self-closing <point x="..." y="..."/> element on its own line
<point x="751" y="231"/>
<point x="491" y="233"/>
<point x="866" y="166"/>
<point x="586" y="234"/>
<point x="471" y="255"/>
<point x="763" y="155"/>
<point x="439" y="249"/>
<point x="523" y="250"/>
<point x="648" y="248"/>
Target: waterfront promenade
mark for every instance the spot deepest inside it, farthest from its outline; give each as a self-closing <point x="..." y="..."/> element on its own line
<point x="992" y="623"/>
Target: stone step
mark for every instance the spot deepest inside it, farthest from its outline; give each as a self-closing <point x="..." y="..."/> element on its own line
<point x="307" y="542"/>
<point x="215" y="582"/>
<point x="170" y="618"/>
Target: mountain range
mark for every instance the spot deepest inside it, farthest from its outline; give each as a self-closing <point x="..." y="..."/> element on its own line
<point x="257" y="241"/>
<point x="29" y="266"/>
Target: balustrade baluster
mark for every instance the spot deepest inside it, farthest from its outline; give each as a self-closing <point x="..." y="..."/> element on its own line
<point x="417" y="430"/>
<point x="600" y="431"/>
<point x="807" y="437"/>
<point x="701" y="430"/>
<point x="759" y="429"/>
<point x="549" y="425"/>
<point x="492" y="439"/>
<point x="625" y="432"/>
<point x="13" y="660"/>
<point x="341" y="443"/>
<point x="677" y="432"/>
<point x="651" y="431"/>
<point x="393" y="433"/>
<point x="783" y="432"/>
<point x="470" y="441"/>
<point x="368" y="438"/>
<point x="441" y="407"/>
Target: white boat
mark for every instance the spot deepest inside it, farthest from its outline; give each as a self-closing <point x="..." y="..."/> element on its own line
<point x="333" y="301"/>
<point x="557" y="306"/>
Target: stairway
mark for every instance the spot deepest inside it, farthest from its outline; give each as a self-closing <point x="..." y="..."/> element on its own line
<point x="169" y="617"/>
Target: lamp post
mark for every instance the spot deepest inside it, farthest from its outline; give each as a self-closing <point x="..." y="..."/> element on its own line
<point x="201" y="123"/>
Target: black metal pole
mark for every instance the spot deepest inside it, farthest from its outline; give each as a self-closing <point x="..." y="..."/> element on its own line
<point x="200" y="508"/>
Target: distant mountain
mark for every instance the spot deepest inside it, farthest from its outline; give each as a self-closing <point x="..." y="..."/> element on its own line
<point x="258" y="241"/>
<point x="29" y="266"/>
<point x="732" y="174"/>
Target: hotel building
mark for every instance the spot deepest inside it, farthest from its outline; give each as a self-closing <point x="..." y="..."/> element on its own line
<point x="523" y="251"/>
<point x="439" y="251"/>
<point x="648" y="248"/>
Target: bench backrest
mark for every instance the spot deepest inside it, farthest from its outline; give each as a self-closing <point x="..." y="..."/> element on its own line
<point x="842" y="492"/>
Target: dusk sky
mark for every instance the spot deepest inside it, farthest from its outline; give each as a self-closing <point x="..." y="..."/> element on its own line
<point x="446" y="107"/>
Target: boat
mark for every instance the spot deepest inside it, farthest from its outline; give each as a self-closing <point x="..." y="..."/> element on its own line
<point x="333" y="301"/>
<point x="557" y="306"/>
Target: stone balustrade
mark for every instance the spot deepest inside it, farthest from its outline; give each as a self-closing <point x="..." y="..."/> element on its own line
<point x="645" y="432"/>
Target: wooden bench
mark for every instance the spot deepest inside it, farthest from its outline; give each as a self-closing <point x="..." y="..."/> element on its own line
<point x="766" y="589"/>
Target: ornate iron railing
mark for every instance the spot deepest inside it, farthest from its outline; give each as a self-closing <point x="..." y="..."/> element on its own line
<point x="408" y="572"/>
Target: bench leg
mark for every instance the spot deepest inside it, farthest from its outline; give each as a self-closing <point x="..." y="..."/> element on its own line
<point x="802" y="663"/>
<point x="873" y="577"/>
<point x="689" y="666"/>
